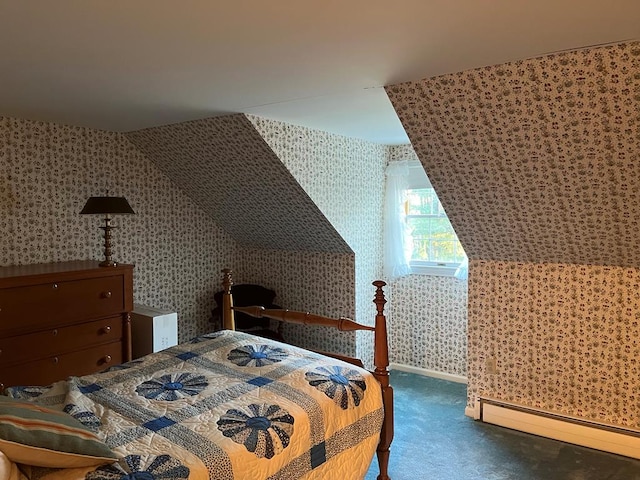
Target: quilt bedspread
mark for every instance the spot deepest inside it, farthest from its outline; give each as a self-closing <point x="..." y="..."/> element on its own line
<point x="224" y="406"/>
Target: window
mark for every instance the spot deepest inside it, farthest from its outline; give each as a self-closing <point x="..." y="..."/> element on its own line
<point x="435" y="245"/>
<point x="418" y="235"/>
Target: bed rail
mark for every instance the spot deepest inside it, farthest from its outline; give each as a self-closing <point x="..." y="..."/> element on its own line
<point x="304" y="318"/>
<point x="381" y="349"/>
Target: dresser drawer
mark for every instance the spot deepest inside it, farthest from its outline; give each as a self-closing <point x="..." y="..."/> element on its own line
<point x="48" y="304"/>
<point x="49" y="342"/>
<point x="54" y="368"/>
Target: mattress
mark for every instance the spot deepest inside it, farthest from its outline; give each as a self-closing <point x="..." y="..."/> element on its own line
<point x="224" y="406"/>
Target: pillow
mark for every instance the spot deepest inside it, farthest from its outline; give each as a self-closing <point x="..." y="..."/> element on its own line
<point x="25" y="392"/>
<point x="35" y="435"/>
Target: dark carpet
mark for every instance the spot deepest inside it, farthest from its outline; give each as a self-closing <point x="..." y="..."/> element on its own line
<point x="434" y="440"/>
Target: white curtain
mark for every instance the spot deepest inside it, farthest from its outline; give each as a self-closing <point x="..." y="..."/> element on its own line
<point x="462" y="272"/>
<point x="397" y="244"/>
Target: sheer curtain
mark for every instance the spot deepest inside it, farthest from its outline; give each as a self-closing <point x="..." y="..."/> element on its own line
<point x="462" y="272"/>
<point x="397" y="245"/>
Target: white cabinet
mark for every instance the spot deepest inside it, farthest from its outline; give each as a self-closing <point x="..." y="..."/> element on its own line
<point x="152" y="330"/>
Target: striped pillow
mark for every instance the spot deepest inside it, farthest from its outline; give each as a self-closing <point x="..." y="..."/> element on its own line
<point x="42" y="437"/>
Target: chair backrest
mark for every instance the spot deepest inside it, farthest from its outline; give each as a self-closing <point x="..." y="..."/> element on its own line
<point x="247" y="294"/>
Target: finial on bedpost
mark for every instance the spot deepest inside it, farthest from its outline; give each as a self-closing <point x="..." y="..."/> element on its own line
<point x="228" y="319"/>
<point x="381" y="360"/>
<point x="381" y="372"/>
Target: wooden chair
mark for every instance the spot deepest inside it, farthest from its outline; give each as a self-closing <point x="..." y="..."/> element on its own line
<point x="245" y="295"/>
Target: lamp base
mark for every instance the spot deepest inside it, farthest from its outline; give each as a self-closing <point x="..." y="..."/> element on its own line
<point x="108" y="263"/>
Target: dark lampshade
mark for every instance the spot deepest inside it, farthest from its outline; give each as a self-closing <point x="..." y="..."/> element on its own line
<point x="107" y="205"/>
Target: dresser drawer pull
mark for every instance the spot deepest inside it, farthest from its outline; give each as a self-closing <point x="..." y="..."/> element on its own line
<point x="106" y="295"/>
<point x="106" y="329"/>
<point x="55" y="286"/>
<point x="55" y="360"/>
<point x="54" y="332"/>
<point x="106" y="359"/>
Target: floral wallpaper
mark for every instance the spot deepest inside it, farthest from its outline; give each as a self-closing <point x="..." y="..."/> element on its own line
<point x="226" y="168"/>
<point x="428" y="314"/>
<point x="244" y="168"/>
<point x="49" y="171"/>
<point x="535" y="160"/>
<point x="536" y="163"/>
<point x="402" y="152"/>
<point x="177" y="248"/>
<point x="345" y="179"/>
<point x="565" y="337"/>
<point x="315" y="282"/>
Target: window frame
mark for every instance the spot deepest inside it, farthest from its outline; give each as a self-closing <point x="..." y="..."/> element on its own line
<point x="419" y="180"/>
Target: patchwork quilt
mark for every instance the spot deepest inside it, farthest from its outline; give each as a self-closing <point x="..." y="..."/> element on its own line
<point x="225" y="406"/>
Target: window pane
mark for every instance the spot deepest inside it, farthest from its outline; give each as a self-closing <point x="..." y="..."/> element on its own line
<point x="434" y="239"/>
<point x="423" y="202"/>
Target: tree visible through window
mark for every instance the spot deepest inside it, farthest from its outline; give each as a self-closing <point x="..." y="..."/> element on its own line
<point x="433" y="239"/>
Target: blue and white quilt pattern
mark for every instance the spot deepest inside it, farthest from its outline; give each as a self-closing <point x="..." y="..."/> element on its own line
<point x="227" y="405"/>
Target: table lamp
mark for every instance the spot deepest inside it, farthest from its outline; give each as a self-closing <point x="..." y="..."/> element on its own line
<point x="107" y="206"/>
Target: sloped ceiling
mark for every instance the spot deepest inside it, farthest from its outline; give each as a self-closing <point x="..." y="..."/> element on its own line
<point x="123" y="66"/>
<point x="226" y="167"/>
<point x="535" y="160"/>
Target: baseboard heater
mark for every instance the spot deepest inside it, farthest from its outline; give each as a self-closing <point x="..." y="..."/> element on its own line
<point x="609" y="438"/>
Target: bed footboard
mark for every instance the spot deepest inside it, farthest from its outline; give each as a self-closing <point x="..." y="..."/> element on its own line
<point x="381" y="349"/>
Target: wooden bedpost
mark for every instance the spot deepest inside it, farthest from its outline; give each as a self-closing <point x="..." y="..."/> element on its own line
<point x="381" y="350"/>
<point x="381" y="372"/>
<point x="228" y="319"/>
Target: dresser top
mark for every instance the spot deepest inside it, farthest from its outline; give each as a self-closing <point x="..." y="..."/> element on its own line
<point x="89" y="267"/>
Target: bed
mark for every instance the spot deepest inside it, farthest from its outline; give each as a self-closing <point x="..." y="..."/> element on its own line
<point x="226" y="405"/>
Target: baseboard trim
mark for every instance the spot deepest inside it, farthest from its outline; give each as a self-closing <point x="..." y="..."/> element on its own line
<point x="566" y="428"/>
<point x="473" y="412"/>
<point x="428" y="373"/>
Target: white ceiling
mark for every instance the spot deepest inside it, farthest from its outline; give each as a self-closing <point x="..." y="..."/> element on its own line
<point x="125" y="65"/>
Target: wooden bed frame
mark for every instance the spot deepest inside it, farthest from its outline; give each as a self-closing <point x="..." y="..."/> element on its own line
<point x="381" y="350"/>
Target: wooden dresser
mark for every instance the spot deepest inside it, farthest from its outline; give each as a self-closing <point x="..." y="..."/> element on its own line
<point x="63" y="319"/>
